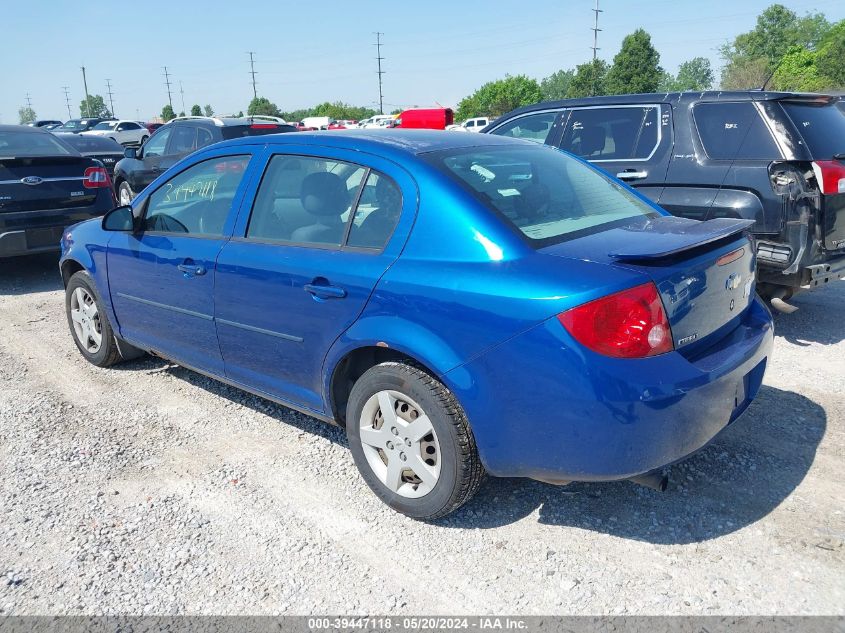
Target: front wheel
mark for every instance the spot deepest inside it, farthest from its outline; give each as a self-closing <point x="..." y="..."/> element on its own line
<point x="88" y="322"/>
<point x="143" y="140"/>
<point x="124" y="194"/>
<point x="412" y="442"/>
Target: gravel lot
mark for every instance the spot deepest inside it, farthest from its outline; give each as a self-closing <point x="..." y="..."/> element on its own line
<point x="150" y="489"/>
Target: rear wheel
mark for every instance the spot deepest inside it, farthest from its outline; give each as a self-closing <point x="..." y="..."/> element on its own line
<point x="412" y="442"/>
<point x="124" y="194"/>
<point x="88" y="322"/>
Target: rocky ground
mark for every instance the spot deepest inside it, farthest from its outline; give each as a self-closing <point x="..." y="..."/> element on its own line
<point x="147" y="488"/>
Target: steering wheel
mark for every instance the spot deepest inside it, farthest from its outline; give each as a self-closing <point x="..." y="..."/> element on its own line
<point x="166" y="224"/>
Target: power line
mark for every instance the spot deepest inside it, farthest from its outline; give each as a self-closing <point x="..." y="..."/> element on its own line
<point x="167" y="83"/>
<point x="252" y="72"/>
<point x="67" y="101"/>
<point x="596" y="30"/>
<point x="379" y="58"/>
<point x="87" y="96"/>
<point x="111" y="100"/>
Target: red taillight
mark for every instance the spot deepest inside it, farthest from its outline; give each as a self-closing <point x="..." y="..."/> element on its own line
<point x="830" y="174"/>
<point x="627" y="324"/>
<point x="96" y="178"/>
<point x="263" y="126"/>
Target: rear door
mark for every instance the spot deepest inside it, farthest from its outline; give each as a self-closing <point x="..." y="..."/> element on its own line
<point x="304" y="260"/>
<point x="630" y="142"/>
<point x="161" y="278"/>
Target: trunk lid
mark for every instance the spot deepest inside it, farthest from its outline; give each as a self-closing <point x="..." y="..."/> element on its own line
<point x="40" y="183"/>
<point x="704" y="271"/>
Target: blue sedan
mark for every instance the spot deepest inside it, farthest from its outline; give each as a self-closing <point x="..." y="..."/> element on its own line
<point x="462" y="304"/>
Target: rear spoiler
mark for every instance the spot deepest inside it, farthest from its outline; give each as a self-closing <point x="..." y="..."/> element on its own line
<point x="667" y="236"/>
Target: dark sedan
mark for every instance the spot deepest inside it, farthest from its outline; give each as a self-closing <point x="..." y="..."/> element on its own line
<point x="45" y="185"/>
<point x="75" y="126"/>
<point x="103" y="149"/>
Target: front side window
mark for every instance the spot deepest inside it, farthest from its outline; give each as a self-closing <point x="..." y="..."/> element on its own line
<point x="157" y="142"/>
<point x="532" y="127"/>
<point x="184" y="139"/>
<point x="544" y="193"/>
<point x="734" y="131"/>
<point x="305" y="200"/>
<point x="198" y="200"/>
<point x="203" y="137"/>
<point x="629" y="133"/>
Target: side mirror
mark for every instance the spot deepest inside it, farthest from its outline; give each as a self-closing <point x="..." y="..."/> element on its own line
<point x="119" y="219"/>
<point x="130" y="152"/>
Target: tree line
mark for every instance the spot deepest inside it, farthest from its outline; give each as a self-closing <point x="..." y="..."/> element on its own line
<point x="783" y="51"/>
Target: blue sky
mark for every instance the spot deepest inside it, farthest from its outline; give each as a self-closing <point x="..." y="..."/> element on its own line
<point x="435" y="51"/>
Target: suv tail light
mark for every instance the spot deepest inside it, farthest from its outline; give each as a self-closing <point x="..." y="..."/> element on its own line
<point x="96" y="178"/>
<point x="627" y="324"/>
<point x="830" y="174"/>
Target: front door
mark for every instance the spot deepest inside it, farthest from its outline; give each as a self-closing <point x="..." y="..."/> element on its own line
<point x="303" y="265"/>
<point x="161" y="278"/>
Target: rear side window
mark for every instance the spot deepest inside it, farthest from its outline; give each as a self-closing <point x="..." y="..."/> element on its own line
<point x="305" y="200"/>
<point x="821" y="126"/>
<point x="377" y="212"/>
<point x="734" y="131"/>
<point x="629" y="133"/>
<point x="532" y="127"/>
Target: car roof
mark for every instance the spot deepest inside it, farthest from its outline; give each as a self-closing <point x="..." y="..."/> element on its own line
<point x="662" y="97"/>
<point x="395" y="140"/>
<point x="22" y="128"/>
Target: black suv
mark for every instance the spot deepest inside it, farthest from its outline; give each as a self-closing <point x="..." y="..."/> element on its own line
<point x="772" y="157"/>
<point x="177" y="139"/>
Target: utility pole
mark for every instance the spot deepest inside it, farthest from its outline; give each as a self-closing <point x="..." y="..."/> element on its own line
<point x="87" y="96"/>
<point x="167" y="83"/>
<point x="252" y="72"/>
<point x="28" y="101"/>
<point x="182" y="92"/>
<point x="595" y="31"/>
<point x="379" y="58"/>
<point x="67" y="101"/>
<point x="111" y="100"/>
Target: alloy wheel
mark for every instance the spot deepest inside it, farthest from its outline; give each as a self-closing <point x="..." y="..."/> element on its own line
<point x="86" y="320"/>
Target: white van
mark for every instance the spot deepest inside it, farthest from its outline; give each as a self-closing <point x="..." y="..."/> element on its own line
<point x="319" y="122"/>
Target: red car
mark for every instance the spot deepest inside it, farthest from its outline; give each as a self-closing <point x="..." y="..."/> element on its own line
<point x="427" y="118"/>
<point x="301" y="127"/>
<point x="151" y="127"/>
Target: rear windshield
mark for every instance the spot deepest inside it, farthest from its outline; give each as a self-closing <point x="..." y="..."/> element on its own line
<point x="73" y="124"/>
<point x="85" y="143"/>
<point x="546" y="194"/>
<point x="255" y="129"/>
<point x="822" y="126"/>
<point x="17" y="144"/>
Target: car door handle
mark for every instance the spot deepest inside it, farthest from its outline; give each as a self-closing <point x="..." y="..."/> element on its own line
<point x="631" y="175"/>
<point x="191" y="269"/>
<point x="324" y="291"/>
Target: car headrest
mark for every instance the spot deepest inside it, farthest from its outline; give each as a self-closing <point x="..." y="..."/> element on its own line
<point x="592" y="140"/>
<point x="324" y="194"/>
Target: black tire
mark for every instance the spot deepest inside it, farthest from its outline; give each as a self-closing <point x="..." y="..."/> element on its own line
<point x="143" y="140"/>
<point x="108" y="352"/>
<point x="461" y="471"/>
<point x="124" y="187"/>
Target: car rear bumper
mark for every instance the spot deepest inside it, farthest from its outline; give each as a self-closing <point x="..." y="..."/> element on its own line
<point x="31" y="232"/>
<point x="542" y="407"/>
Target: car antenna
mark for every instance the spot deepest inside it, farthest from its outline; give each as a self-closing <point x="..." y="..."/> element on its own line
<point x="771" y="74"/>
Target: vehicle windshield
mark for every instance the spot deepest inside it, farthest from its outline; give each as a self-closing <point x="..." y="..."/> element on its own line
<point x="822" y="126"/>
<point x="20" y="144"/>
<point x="545" y="193"/>
<point x="105" y="125"/>
<point x="73" y="124"/>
